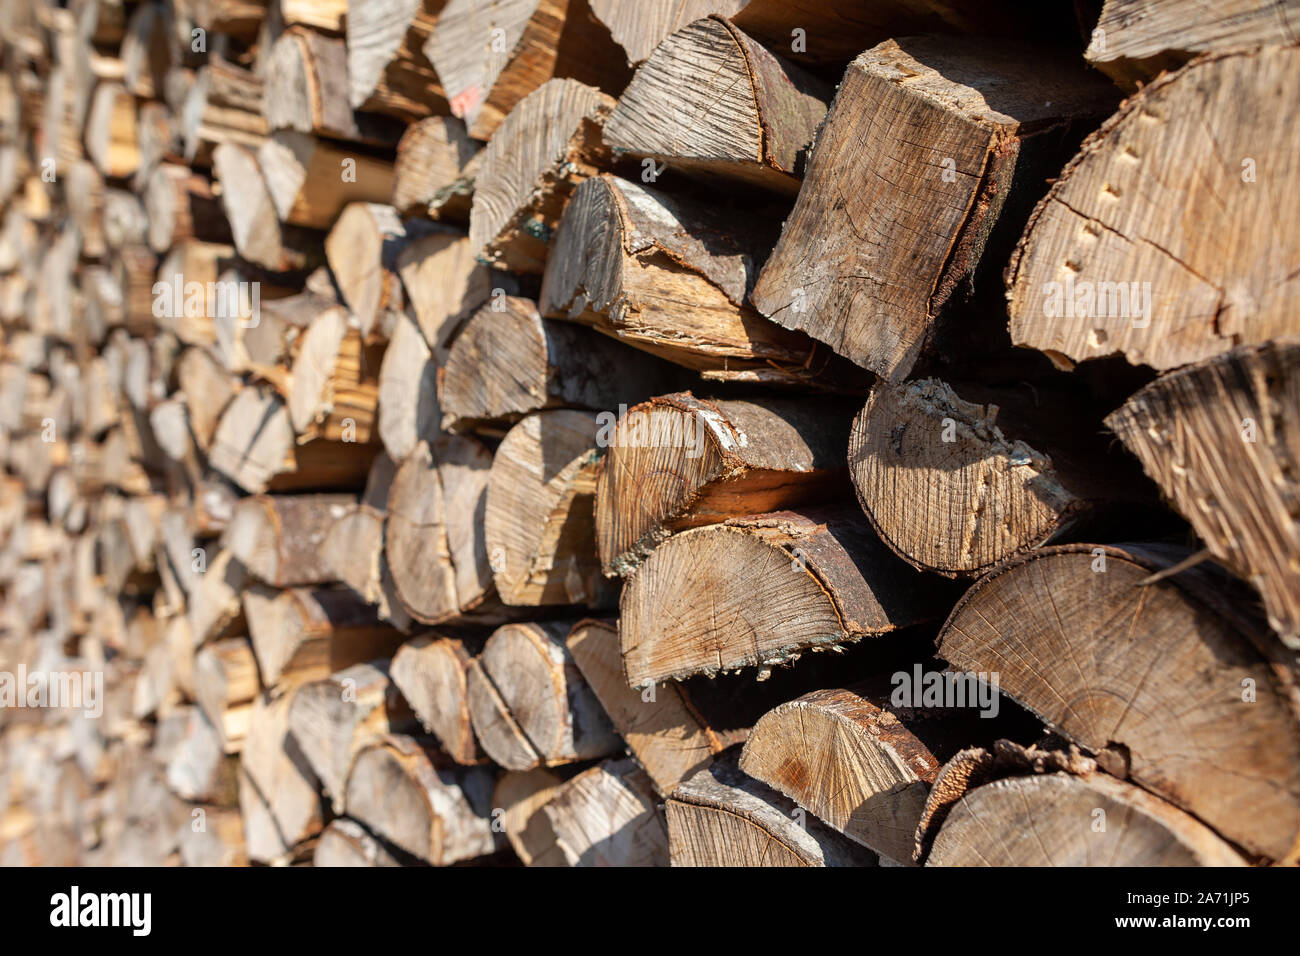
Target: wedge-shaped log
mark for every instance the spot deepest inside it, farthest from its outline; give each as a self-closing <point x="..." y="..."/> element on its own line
<point x="539" y="523"/>
<point x="225" y="685"/>
<point x="259" y="236"/>
<point x="721" y="817"/>
<point x="432" y="673"/>
<point x="278" y="538"/>
<point x="1050" y="820"/>
<point x="640" y="27"/>
<point x="407" y="795"/>
<point x="408" y="391"/>
<point x="222" y="105"/>
<point x="272" y="762"/>
<point x="522" y="795"/>
<point x="606" y="816"/>
<point x="346" y="843"/>
<point x="711" y="101"/>
<point x="334" y="383"/>
<point x="310" y="180"/>
<point x="387" y="70"/>
<point x="548" y="144"/>
<point x="1156" y="680"/>
<point x="1107" y="263"/>
<point x="445" y="283"/>
<point x="670" y="276"/>
<point x="930" y="146"/>
<point x="1222" y="439"/>
<point x="678" y="461"/>
<point x="435" y="170"/>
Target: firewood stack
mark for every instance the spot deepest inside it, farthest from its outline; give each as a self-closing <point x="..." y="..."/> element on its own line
<point x="586" y="432"/>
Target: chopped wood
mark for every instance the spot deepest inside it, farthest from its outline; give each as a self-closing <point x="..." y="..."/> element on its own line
<point x="435" y="170"/>
<point x="387" y="69"/>
<point x="606" y="816"/>
<point x="346" y="843"/>
<point x="431" y="672"/>
<point x="310" y="180"/>
<point x="640" y="27"/>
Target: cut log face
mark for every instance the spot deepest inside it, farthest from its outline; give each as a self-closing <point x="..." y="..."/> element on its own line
<point x="278" y="538"/>
<point x="273" y="765"/>
<point x="677" y="462"/>
<point x="111" y="132"/>
<point x="508" y="361"/>
<point x="440" y="815"/>
<point x="1136" y="40"/>
<point x="606" y="816"/>
<point x="710" y="100"/>
<point x="1184" y="708"/>
<point x="225" y="684"/>
<point x="223" y="105"/>
<point x="548" y="144"/>
<point x="387" y="70"/>
<point x="862" y="767"/>
<point x="1102" y="270"/>
<point x="433" y="539"/>
<point x="346" y="843"/>
<point x="539" y="524"/>
<point x="431" y="673"/>
<point x="721" y="817"/>
<point x="529" y="703"/>
<point x="667" y="276"/>
<point x="869" y="275"/>
<point x="779" y="584"/>
<point x="490" y="55"/>
<point x="1222" y="439"/>
<point x="949" y="492"/>
<point x="311" y="181"/>
<point x="258" y="235"/>
<point x="445" y="283"/>
<point x="254" y="440"/>
<point x="436" y="167"/>
<point x="640" y="27"/>
<point x="362" y="251"/>
<point x="303" y="634"/>
<point x="408" y="391"/>
<point x="1052" y="820"/>
<point x="522" y="796"/>
<point x="334" y="384"/>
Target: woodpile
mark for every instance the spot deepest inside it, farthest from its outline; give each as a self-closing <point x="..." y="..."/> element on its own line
<point x="690" y="432"/>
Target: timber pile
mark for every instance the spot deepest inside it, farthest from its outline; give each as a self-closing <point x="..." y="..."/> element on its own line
<point x="585" y="432"/>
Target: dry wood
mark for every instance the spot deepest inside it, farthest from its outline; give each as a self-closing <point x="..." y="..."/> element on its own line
<point x="969" y="134"/>
<point x="445" y="283"/>
<point x="223" y="105"/>
<point x="1222" y="439"/>
<point x="435" y="170"/>
<point x="214" y="609"/>
<point x="111" y="131"/>
<point x="225" y="683"/>
<point x="1156" y="680"/>
<point x="521" y="795"/>
<point x="606" y="816"/>
<point x="207" y="389"/>
<point x="1050" y="820"/>
<point x="346" y="843"/>
<point x="334" y="384"/>
<point x="310" y="180"/>
<point x="1109" y="263"/>
<point x="326" y="15"/>
<point x="778" y="584"/>
<point x="490" y="55"/>
<point x="431" y="672"/>
<point x="670" y="276"/>
<point x="362" y="249"/>
<point x="258" y="234"/>
<point x="678" y="462"/>
<point x="1136" y="40"/>
<point x="197" y="769"/>
<point x="147" y="48"/>
<point x="720" y="817"/>
<point x="539" y="525"/>
<point x="387" y="69"/>
<point x="181" y="205"/>
<point x="530" y="705"/>
<point x="640" y="27"/>
<point x="711" y="101"/>
<point x="278" y="538"/>
<point x="408" y="391"/>
<point x="550" y="142"/>
<point x="439" y="814"/>
<point x="275" y="769"/>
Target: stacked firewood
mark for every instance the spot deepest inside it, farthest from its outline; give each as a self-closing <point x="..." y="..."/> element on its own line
<point x="692" y="432"/>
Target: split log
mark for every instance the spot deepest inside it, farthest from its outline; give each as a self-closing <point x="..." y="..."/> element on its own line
<point x="333" y="719"/>
<point x="550" y="142"/>
<point x="224" y="105"/>
<point x="1222" y="439"/>
<point x="346" y="843"/>
<point x="307" y="91"/>
<point x="387" y="69"/>
<point x="197" y="770"/>
<point x="111" y="131"/>
<point x="181" y="205"/>
<point x="1137" y="40"/>
<point x="538" y="522"/>
<point x="273" y="765"/>
<point x="640" y="27"/>
<point x="1099" y="270"/>
<point x="720" y="817"/>
<point x="508" y="362"/>
<point x="678" y="462"/>
<point x="670" y="276"/>
<point x="936" y="190"/>
<point x="710" y="101"/>
<point x="147" y="47"/>
<point x="408" y="391"/>
<point x="433" y="538"/>
<point x="303" y="634"/>
<point x="606" y="816"/>
<point x="528" y="702"/>
<point x="956" y="484"/>
<point x="1114" y="680"/>
<point x="441" y="815"/>
<point x="207" y="389"/>
<point x="435" y="170"/>
<point x="491" y="55"/>
<point x="362" y="250"/>
<point x="325" y="15"/>
<point x="521" y="796"/>
<point x="278" y="538"/>
<point x="282" y="320"/>
<point x="1052" y="820"/>
<point x="778" y="584"/>
<point x="214" y="609"/>
<point x="218" y="842"/>
<point x="258" y="234"/>
<point x="445" y="283"/>
<point x="431" y="673"/>
<point x="225" y="683"/>
<point x="189" y="315"/>
<point x="334" y="383"/>
<point x="310" y="180"/>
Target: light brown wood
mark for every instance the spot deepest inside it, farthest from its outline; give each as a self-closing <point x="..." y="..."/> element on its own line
<point x="346" y="843"/>
<point x="446" y="283"/>
<point x="279" y="538"/>
<point x="640" y="27"/>
<point x="223" y="105"/>
<point x="430" y="671"/>
<point x="435" y="170"/>
<point x="517" y="801"/>
<point x="310" y="180"/>
<point x="606" y="816"/>
<point x="258" y="234"/>
<point x="225" y="683"/>
<point x="387" y="69"/>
